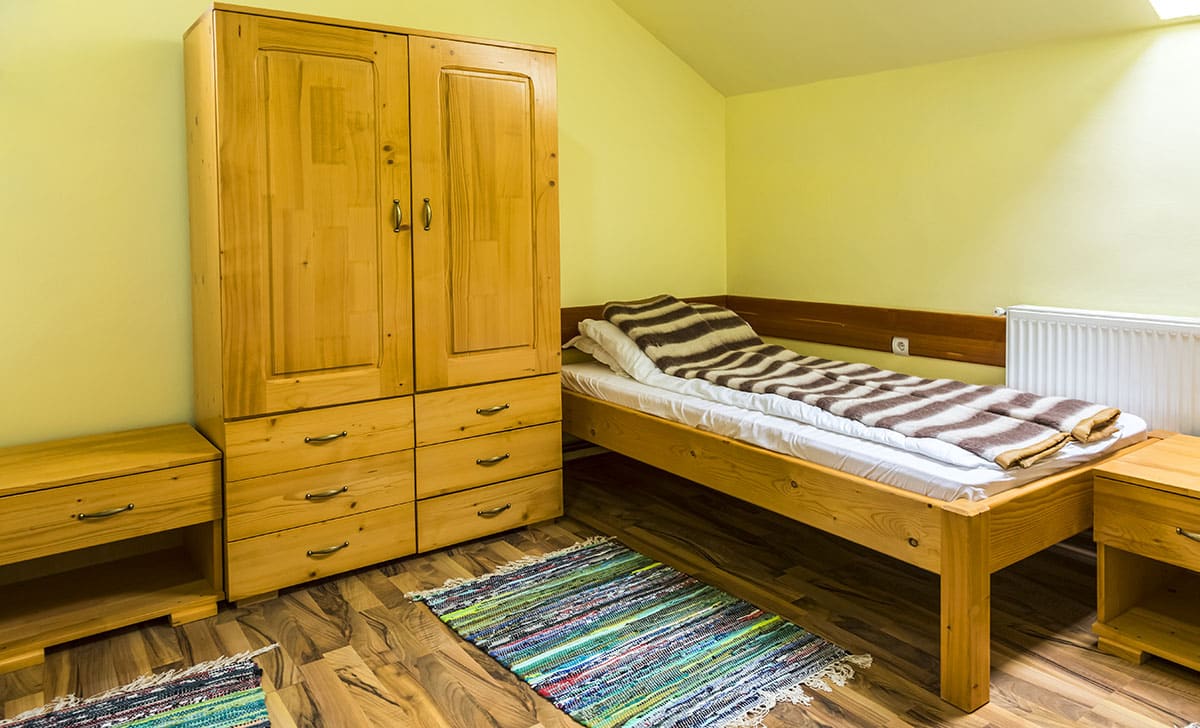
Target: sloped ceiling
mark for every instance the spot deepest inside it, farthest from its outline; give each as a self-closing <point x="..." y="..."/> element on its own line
<point x="742" y="46"/>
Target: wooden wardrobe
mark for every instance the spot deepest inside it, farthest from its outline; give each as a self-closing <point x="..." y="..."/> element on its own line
<point x="374" y="236"/>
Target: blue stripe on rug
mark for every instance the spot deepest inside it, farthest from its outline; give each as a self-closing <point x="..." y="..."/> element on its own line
<point x="615" y="638"/>
<point x="224" y="693"/>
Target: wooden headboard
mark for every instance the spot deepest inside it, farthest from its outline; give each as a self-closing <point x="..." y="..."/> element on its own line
<point x="954" y="336"/>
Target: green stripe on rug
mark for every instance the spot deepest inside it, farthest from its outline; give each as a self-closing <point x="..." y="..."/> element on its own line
<point x="615" y="638"/>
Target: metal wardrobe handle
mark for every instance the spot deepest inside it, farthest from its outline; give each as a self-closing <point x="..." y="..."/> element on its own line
<point x="325" y="438"/>
<point x="322" y="495"/>
<point x="493" y="512"/>
<point x="428" y="214"/>
<point x="104" y="514"/>
<point x="328" y="550"/>
<point x="397" y="215"/>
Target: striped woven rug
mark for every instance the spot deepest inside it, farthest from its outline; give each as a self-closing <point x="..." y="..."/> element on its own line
<point x="615" y="638"/>
<point x="224" y="693"/>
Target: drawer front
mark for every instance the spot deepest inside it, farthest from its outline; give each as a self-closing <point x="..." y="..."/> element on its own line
<point x="47" y="522"/>
<point x="463" y="464"/>
<point x="265" y="563"/>
<point x="1144" y="521"/>
<point x="487" y="408"/>
<point x="458" y="517"/>
<point x="269" y="445"/>
<point x="285" y="500"/>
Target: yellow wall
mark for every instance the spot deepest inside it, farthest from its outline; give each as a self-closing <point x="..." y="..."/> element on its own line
<point x="1062" y="175"/>
<point x="93" y="208"/>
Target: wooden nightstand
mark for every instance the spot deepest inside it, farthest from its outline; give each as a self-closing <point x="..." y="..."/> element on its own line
<point x="1147" y="531"/>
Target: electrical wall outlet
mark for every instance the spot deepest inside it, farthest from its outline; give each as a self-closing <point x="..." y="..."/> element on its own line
<point x="900" y="345"/>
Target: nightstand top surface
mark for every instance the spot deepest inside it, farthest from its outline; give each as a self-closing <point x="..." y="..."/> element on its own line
<point x="1171" y="465"/>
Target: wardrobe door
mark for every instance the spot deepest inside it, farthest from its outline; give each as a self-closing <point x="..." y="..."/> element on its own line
<point x="485" y="203"/>
<point x="314" y="178"/>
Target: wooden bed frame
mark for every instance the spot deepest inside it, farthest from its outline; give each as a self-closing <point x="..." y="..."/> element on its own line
<point x="963" y="542"/>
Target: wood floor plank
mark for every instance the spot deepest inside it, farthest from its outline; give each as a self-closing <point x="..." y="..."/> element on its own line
<point x="354" y="651"/>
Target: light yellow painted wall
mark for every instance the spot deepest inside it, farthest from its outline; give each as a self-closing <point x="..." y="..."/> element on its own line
<point x="93" y="209"/>
<point x="1062" y="175"/>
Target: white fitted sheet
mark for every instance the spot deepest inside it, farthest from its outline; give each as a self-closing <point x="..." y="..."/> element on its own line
<point x="872" y="460"/>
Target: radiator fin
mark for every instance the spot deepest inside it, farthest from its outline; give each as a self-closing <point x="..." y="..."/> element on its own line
<point x="1146" y="365"/>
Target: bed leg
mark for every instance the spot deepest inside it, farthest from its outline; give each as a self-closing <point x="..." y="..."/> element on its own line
<point x="966" y="609"/>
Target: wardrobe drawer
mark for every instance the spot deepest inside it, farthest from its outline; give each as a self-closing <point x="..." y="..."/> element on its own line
<point x="49" y="521"/>
<point x="469" y="411"/>
<point x="286" y="500"/>
<point x="1148" y="522"/>
<point x="478" y="512"/>
<point x="463" y="464"/>
<point x="265" y="563"/>
<point x="296" y="440"/>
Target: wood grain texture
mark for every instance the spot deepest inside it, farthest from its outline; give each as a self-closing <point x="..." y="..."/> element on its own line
<point x="267" y="445"/>
<point x="401" y="666"/>
<point x="485" y="168"/>
<point x="966" y="609"/>
<point x="477" y="512"/>
<point x="200" y="104"/>
<point x="896" y="522"/>
<point x="1146" y="521"/>
<point x="93" y="457"/>
<point x="386" y="28"/>
<point x="285" y="500"/>
<point x="314" y="298"/>
<point x="1171" y="464"/>
<point x="477" y="461"/>
<point x="483" y="409"/>
<point x="279" y="559"/>
<point x="953" y="336"/>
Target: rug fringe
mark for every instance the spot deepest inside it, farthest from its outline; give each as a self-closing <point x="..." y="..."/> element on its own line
<point x="141" y="683"/>
<point x="838" y="673"/>
<point x="508" y="568"/>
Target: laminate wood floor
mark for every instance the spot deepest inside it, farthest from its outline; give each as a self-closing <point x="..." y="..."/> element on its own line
<point x="354" y="652"/>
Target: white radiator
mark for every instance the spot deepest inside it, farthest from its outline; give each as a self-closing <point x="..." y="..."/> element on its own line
<point x="1146" y="365"/>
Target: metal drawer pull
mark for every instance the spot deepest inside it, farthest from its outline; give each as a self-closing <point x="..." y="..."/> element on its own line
<point x="327" y="551"/>
<point x="428" y="214"/>
<point x="104" y="514"/>
<point x="1180" y="531"/>
<point x="398" y="214"/>
<point x="493" y="512"/>
<point x="485" y="411"/>
<point x="325" y="438"/>
<point x="492" y="460"/>
<point x="326" y="493"/>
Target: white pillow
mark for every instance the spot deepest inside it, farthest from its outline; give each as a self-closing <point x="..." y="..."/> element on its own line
<point x="594" y="350"/>
<point x="631" y="359"/>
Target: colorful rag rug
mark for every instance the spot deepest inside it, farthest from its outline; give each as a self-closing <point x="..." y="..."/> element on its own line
<point x="615" y="638"/>
<point x="224" y="693"/>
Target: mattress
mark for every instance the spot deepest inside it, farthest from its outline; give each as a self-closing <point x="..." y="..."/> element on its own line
<point x="902" y="468"/>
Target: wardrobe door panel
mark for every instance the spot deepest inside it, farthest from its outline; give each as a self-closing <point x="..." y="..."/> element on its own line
<point x="484" y="179"/>
<point x="313" y="139"/>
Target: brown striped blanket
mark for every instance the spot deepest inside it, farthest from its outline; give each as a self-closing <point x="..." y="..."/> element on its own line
<point x="1009" y="427"/>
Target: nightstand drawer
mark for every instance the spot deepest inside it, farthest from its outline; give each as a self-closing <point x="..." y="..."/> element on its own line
<point x="463" y="464"/>
<point x="487" y="408"/>
<point x="299" y="497"/>
<point x="1148" y="522"/>
<point x="72" y="517"/>
<point x="279" y="443"/>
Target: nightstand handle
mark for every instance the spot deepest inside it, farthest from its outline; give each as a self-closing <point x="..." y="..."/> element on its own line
<point x="1187" y="534"/>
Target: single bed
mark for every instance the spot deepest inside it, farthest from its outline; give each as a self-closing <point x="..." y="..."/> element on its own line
<point x="962" y="540"/>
